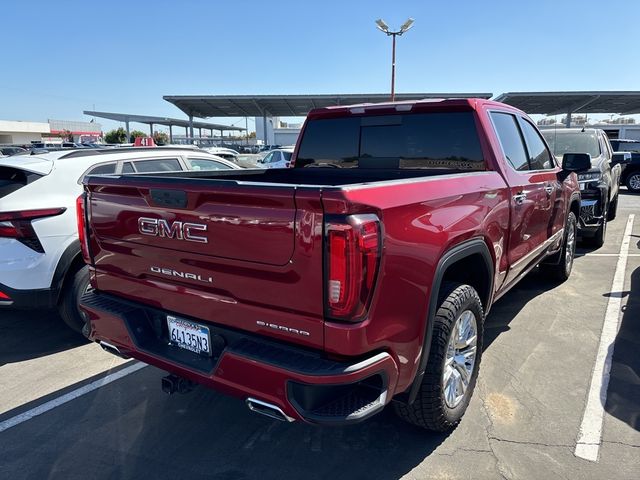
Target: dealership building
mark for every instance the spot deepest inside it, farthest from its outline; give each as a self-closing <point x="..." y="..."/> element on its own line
<point x="18" y="132"/>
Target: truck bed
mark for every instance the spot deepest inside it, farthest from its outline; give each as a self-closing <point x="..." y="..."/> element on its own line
<point x="309" y="176"/>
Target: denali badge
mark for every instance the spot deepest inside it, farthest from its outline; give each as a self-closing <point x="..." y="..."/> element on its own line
<point x="178" y="230"/>
<point x="176" y="273"/>
<point x="282" y="328"/>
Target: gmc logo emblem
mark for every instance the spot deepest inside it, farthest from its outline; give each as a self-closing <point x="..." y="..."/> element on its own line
<point x="179" y="230"/>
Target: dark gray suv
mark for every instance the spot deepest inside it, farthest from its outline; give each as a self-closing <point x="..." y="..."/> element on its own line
<point x="599" y="186"/>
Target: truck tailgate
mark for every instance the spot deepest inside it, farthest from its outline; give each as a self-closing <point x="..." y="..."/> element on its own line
<point x="251" y="255"/>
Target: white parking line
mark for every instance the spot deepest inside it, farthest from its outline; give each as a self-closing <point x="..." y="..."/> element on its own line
<point x="590" y="436"/>
<point x="605" y="255"/>
<point x="67" y="397"/>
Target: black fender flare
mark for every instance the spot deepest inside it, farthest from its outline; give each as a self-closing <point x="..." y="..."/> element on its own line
<point x="451" y="256"/>
<point x="66" y="260"/>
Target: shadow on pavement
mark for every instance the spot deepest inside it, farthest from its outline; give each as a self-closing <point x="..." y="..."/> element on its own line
<point x="508" y="307"/>
<point x="27" y="334"/>
<point x="623" y="400"/>
<point x="129" y="430"/>
<point x="623" y="191"/>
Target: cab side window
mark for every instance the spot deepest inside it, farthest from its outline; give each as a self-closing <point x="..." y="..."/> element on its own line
<point x="540" y="157"/>
<point x="510" y="139"/>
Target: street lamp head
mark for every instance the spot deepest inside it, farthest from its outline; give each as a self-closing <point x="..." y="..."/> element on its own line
<point x="382" y="26"/>
<point x="406" y="25"/>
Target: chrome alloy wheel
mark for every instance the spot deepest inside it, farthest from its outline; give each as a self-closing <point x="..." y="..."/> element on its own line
<point x="634" y="181"/>
<point x="570" y="249"/>
<point x="460" y="358"/>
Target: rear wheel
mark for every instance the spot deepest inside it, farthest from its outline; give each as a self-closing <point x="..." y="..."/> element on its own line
<point x="454" y="359"/>
<point x="562" y="270"/>
<point x="76" y="284"/>
<point x="633" y="182"/>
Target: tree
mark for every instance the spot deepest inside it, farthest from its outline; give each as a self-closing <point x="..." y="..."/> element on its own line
<point x="116" y="136"/>
<point x="135" y="134"/>
<point x="66" y="136"/>
<point x="160" y="138"/>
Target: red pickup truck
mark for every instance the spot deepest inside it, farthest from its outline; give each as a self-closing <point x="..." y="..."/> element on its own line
<point x="360" y="277"/>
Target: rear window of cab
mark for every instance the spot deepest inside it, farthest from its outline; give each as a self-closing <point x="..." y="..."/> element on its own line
<point x="406" y="141"/>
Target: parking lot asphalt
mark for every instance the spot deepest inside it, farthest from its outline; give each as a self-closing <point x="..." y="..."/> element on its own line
<point x="524" y="420"/>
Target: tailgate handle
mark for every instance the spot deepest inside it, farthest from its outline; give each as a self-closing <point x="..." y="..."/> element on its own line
<point x="168" y="198"/>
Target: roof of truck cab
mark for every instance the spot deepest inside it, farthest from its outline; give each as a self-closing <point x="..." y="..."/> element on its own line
<point x="426" y="104"/>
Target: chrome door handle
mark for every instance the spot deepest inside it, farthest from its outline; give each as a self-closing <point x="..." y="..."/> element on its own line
<point x="549" y="189"/>
<point x="520" y="198"/>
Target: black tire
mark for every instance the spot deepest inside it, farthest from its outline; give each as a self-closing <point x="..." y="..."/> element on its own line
<point x="75" y="285"/>
<point x="601" y="233"/>
<point x="633" y="182"/>
<point x="613" y="209"/>
<point x="430" y="409"/>
<point x="561" y="271"/>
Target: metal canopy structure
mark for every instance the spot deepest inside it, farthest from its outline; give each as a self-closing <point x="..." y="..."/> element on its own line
<point x="204" y="106"/>
<point x="167" y="121"/>
<point x="554" y="103"/>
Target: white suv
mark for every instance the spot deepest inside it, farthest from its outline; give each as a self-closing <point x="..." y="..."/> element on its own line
<point x="40" y="260"/>
<point x="278" y="158"/>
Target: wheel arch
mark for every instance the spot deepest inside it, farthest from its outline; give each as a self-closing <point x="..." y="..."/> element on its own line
<point x="70" y="260"/>
<point x="454" y="266"/>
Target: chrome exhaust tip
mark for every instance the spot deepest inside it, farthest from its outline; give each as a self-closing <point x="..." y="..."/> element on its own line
<point x="112" y="349"/>
<point x="268" y="410"/>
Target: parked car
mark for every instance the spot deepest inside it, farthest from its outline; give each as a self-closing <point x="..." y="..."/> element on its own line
<point x="360" y="276"/>
<point x="267" y="148"/>
<point x="40" y="265"/>
<point x="279" y="158"/>
<point x="8" y="150"/>
<point x="226" y="153"/>
<point x="631" y="172"/>
<point x="599" y="186"/>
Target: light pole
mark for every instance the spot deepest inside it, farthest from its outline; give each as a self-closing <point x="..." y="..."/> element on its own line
<point x="383" y="27"/>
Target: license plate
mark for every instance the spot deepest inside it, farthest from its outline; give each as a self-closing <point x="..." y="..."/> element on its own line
<point x="189" y="336"/>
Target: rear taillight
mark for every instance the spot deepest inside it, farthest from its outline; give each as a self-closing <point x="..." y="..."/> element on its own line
<point x="18" y="225"/>
<point x="354" y="246"/>
<point x="81" y="217"/>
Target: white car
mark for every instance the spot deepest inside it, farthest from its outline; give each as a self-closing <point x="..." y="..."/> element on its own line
<point x="278" y="158"/>
<point x="226" y="153"/>
<point x="40" y="262"/>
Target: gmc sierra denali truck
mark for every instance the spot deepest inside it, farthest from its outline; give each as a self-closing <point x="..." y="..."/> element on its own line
<point x="359" y="277"/>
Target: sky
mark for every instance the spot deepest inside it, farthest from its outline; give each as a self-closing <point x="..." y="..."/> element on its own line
<point x="60" y="58"/>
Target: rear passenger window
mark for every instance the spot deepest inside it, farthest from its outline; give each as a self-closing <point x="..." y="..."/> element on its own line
<point x="103" y="169"/>
<point x="510" y="139"/>
<point x="127" y="168"/>
<point x="160" y="165"/>
<point x="205" y="164"/>
<point x="539" y="156"/>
